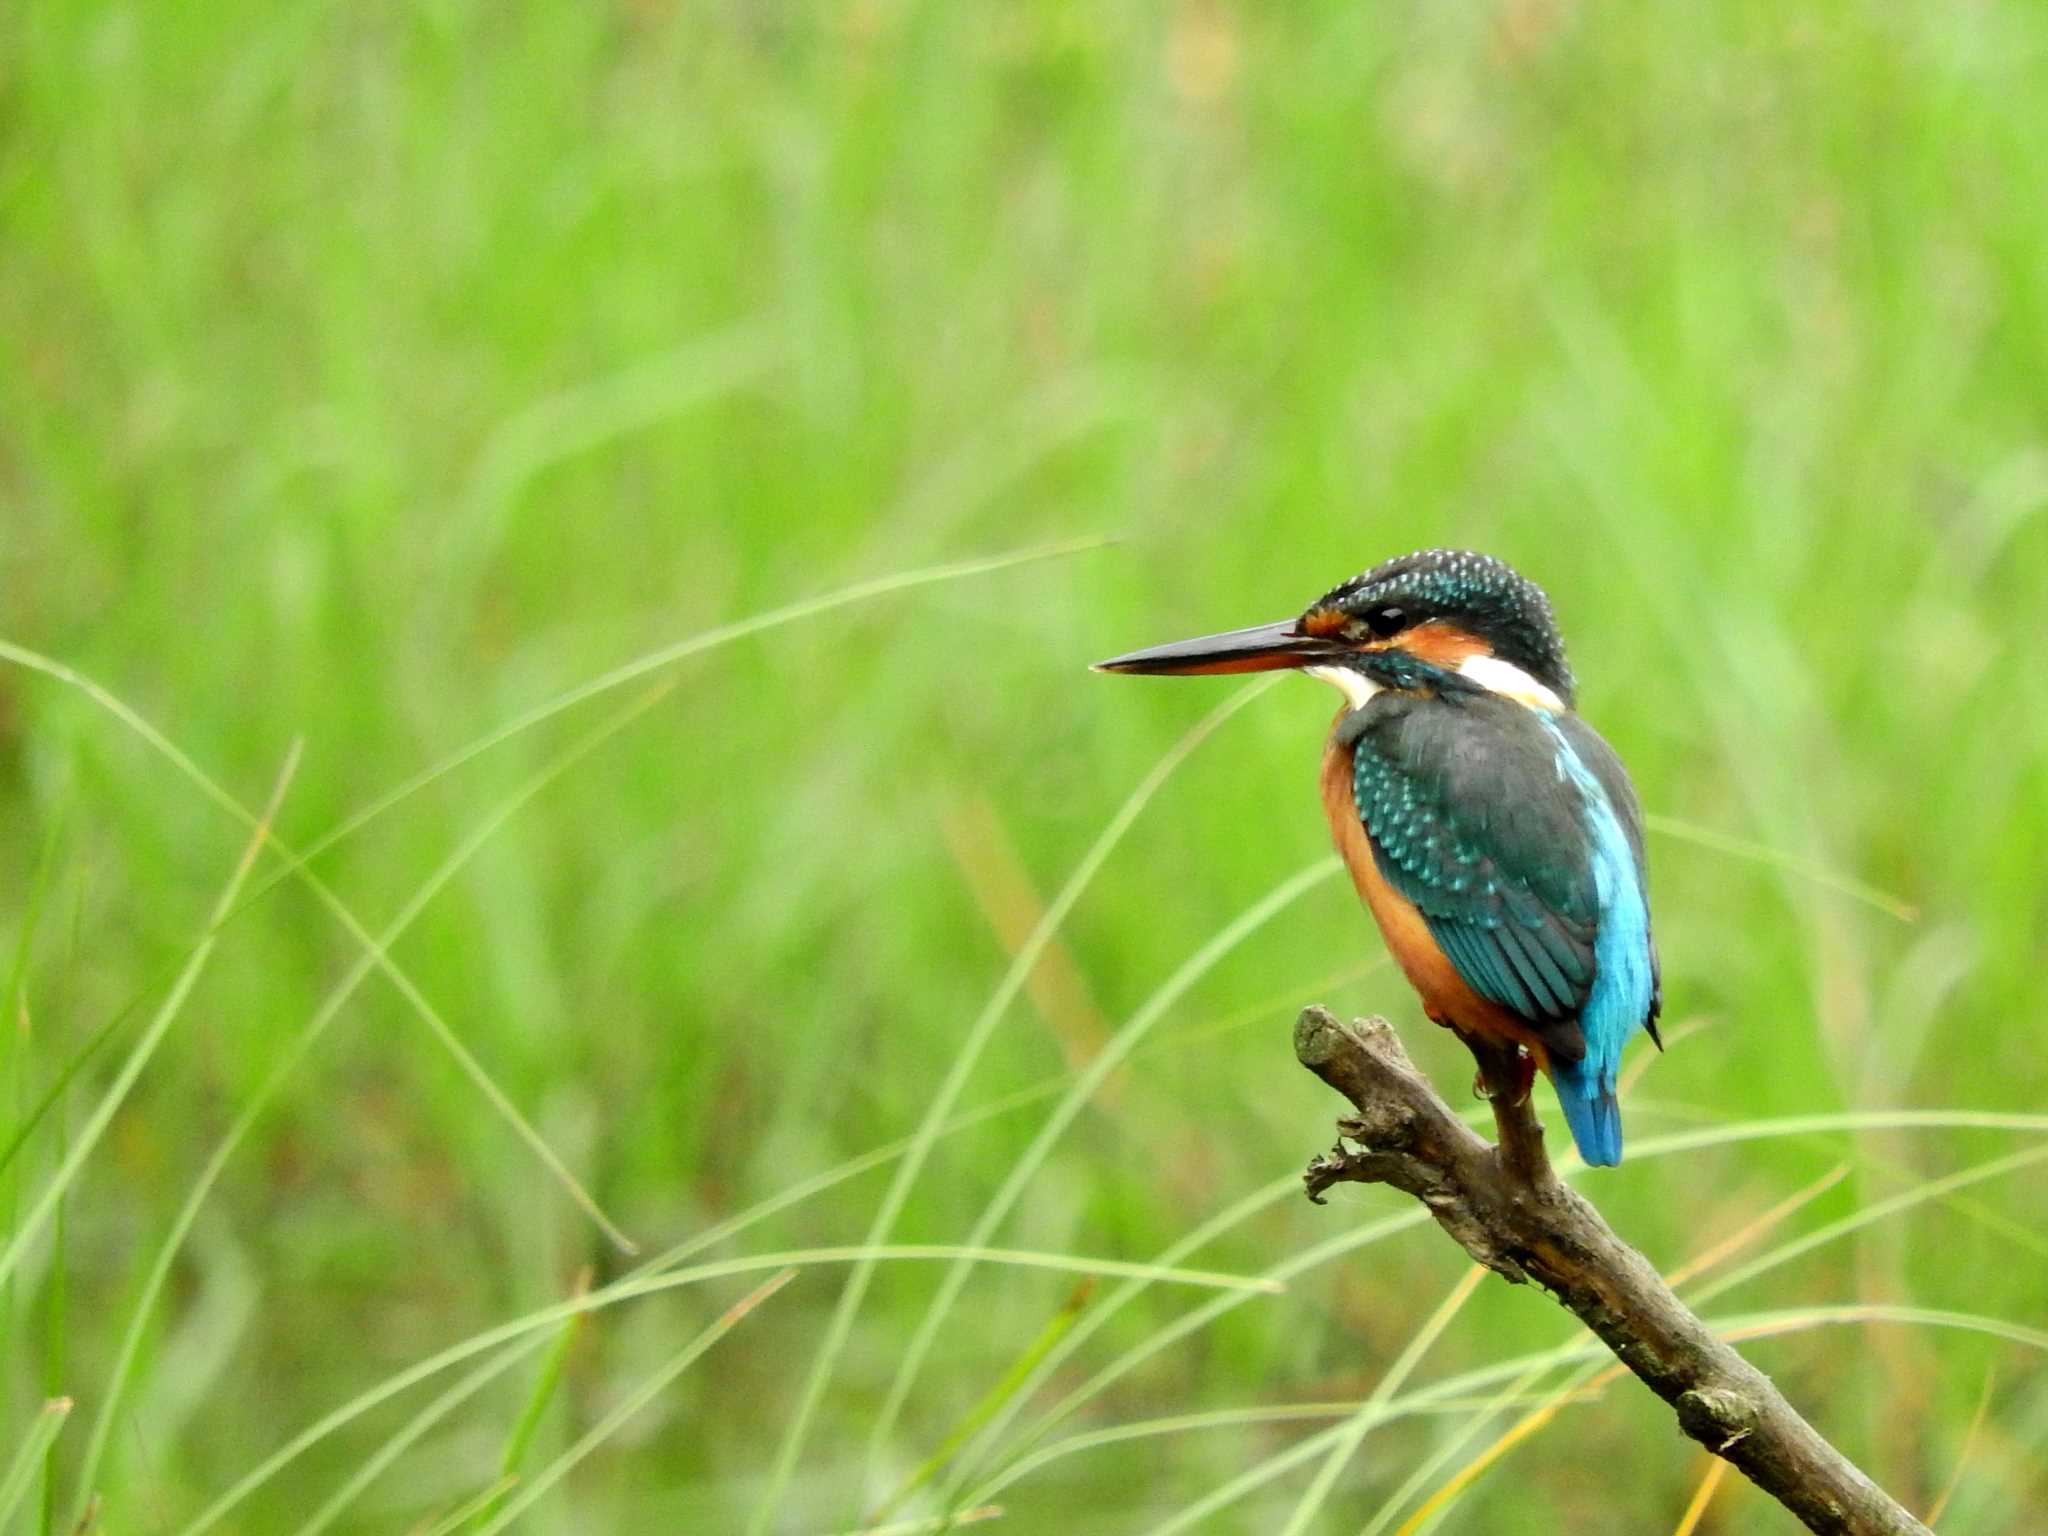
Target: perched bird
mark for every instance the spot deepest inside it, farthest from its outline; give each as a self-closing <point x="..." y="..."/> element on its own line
<point x="1493" y="834"/>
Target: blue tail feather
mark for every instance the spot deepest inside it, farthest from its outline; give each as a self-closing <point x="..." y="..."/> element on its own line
<point x="1594" y="1115"/>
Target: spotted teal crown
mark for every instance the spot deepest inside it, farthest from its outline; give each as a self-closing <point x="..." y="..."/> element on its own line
<point x="1484" y="596"/>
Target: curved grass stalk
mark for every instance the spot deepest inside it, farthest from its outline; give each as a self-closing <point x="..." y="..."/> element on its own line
<point x="1449" y="1396"/>
<point x="932" y="1525"/>
<point x="1063" y="1114"/>
<point x="1955" y="1477"/>
<point x="1007" y="1389"/>
<point x="1771" y="1325"/>
<point x="1919" y="1194"/>
<point x="28" y="1457"/>
<point x="296" y="864"/>
<point x="1710" y="1484"/>
<point x="308" y="1036"/>
<point x="408" y="1434"/>
<point x="817" y="1184"/>
<point x="1373" y="1410"/>
<point x="30" y="1226"/>
<point x="681" y="650"/>
<point x="625" y="1290"/>
<point x="1249" y="1481"/>
<point x="1582" y="1384"/>
<point x="1428" y="1400"/>
<point x="1455" y="1394"/>
<point x="977" y="1452"/>
<point x="1093" y="1320"/>
<point x="1806" y="869"/>
<point x="1023" y="1097"/>
<point x="1841" y="1120"/>
<point x="1181" y="1327"/>
<point x="965" y="1058"/>
<point x="534" y="1487"/>
<point x="466" y="1512"/>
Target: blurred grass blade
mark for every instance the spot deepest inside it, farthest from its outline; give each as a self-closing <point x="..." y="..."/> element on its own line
<point x="548" y="1317"/>
<point x="28" y="1456"/>
<point x="533" y="1488"/>
<point x="935" y="1525"/>
<point x="545" y="1381"/>
<point x="573" y="421"/>
<point x="1805" y="869"/>
<point x="1007" y="1386"/>
<point x="695" y="645"/>
<point x="463" y="1513"/>
<point x="14" y="1013"/>
<point x="409" y="1433"/>
<point x="1373" y="1410"/>
<point x="1710" y="1484"/>
<point x="30" y="1226"/>
<point x="374" y="953"/>
<point x="961" y="1066"/>
<point x="1768" y="1325"/>
<point x="1248" y="1481"/>
<point x="1432" y="1400"/>
<point x="1063" y="1114"/>
<point x="1199" y="1318"/>
<point x="1919" y="1194"/>
<point x="1775" y="1216"/>
<point x="1955" y="1478"/>
<point x="1576" y="1387"/>
<point x="295" y="864"/>
<point x="87" y="1049"/>
<point x="1259" y="1200"/>
<point x="1006" y="1104"/>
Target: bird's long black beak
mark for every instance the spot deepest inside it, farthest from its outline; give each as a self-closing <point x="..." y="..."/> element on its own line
<point x="1262" y="648"/>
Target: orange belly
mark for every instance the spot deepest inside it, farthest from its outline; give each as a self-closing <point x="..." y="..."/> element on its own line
<point x="1446" y="997"/>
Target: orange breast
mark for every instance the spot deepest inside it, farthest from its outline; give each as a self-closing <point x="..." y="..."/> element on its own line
<point x="1446" y="997"/>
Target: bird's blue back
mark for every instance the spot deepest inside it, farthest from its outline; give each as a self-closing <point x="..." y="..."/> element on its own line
<point x="1625" y="976"/>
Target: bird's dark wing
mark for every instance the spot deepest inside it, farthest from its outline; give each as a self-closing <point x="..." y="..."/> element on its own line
<point x="1470" y="818"/>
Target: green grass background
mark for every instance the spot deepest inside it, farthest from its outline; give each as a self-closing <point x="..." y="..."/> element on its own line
<point x="372" y="373"/>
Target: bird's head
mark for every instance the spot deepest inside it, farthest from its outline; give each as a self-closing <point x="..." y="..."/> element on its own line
<point x="1400" y="624"/>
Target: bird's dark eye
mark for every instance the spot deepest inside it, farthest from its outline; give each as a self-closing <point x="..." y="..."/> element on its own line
<point x="1387" y="620"/>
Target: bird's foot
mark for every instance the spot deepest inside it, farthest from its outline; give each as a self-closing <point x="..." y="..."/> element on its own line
<point x="1525" y="1076"/>
<point x="1524" y="1080"/>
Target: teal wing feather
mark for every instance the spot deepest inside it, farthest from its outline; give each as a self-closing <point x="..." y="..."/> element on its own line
<point x="1470" y="819"/>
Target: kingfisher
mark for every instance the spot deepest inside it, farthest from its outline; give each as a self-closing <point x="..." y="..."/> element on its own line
<point x="1491" y="832"/>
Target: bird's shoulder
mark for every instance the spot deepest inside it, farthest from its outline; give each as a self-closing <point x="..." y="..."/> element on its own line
<point x="1448" y="784"/>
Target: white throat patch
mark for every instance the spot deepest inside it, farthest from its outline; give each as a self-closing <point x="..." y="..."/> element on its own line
<point x="1489" y="672"/>
<point x="1510" y="682"/>
<point x="1355" y="686"/>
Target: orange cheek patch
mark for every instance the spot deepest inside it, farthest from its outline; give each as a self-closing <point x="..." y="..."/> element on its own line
<point x="1444" y="645"/>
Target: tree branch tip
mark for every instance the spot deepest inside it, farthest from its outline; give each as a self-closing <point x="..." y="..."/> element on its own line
<point x="1320" y="1037"/>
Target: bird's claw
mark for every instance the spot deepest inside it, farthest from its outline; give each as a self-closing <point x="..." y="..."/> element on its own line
<point x="1525" y="1080"/>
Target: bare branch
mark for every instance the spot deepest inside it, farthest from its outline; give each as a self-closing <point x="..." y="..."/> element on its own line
<point x="1509" y="1210"/>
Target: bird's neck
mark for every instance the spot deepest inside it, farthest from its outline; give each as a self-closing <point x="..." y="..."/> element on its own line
<point x="1372" y="673"/>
